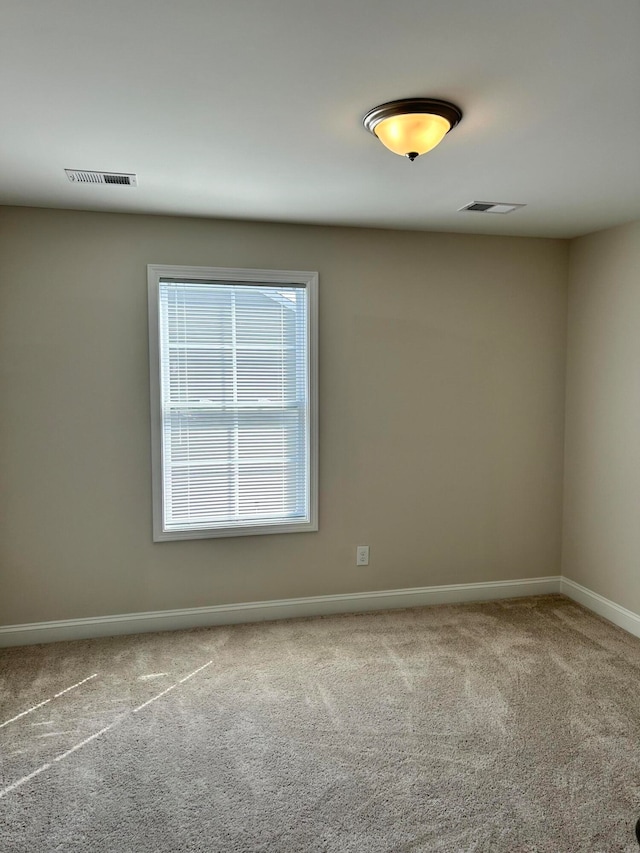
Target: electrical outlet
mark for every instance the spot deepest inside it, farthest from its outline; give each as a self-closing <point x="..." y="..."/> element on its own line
<point x="362" y="555"/>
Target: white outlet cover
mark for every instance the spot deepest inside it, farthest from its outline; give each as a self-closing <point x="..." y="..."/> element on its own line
<point x="362" y="555"/>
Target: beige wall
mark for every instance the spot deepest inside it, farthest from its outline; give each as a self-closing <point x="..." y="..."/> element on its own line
<point x="441" y="413"/>
<point x="602" y="486"/>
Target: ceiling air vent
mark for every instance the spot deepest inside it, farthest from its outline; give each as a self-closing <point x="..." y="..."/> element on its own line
<point x="82" y="176"/>
<point x="491" y="207"/>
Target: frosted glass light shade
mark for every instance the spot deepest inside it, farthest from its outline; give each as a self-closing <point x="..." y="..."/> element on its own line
<point x="415" y="133"/>
<point x="412" y="126"/>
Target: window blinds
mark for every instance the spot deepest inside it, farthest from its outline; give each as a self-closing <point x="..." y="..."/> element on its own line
<point x="234" y="387"/>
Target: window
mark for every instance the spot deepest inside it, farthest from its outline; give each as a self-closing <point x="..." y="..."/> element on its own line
<point x="233" y="401"/>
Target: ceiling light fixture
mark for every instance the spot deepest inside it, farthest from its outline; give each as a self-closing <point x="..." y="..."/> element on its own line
<point x="412" y="126"/>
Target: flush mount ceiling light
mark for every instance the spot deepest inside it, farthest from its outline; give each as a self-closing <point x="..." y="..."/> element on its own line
<point x="412" y="126"/>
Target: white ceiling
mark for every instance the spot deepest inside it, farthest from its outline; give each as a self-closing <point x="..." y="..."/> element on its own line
<point x="253" y="109"/>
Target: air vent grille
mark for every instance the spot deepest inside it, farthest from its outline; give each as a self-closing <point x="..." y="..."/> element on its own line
<point x="490" y="207"/>
<point x="83" y="176"/>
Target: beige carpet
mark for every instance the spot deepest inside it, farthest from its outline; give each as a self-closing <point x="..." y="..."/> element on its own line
<point x="507" y="727"/>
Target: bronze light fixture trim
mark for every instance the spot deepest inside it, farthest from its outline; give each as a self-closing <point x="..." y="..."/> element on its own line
<point x="412" y="126"/>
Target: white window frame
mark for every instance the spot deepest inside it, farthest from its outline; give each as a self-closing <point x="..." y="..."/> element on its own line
<point x="309" y="280"/>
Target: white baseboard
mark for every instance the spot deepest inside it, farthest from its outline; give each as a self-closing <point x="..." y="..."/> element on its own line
<point x="258" y="611"/>
<point x="602" y="606"/>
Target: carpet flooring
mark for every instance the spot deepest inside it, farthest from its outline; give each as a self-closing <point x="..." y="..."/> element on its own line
<point x="507" y="727"/>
